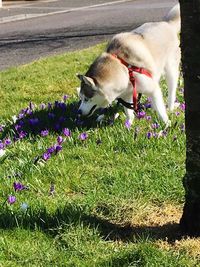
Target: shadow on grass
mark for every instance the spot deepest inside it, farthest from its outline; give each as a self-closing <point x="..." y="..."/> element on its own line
<point x="54" y="118"/>
<point x="72" y="215"/>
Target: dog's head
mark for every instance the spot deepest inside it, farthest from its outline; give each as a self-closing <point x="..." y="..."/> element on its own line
<point x="91" y="96"/>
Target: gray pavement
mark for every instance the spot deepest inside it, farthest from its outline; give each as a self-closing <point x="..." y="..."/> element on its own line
<point x="18" y="10"/>
<point x="26" y="40"/>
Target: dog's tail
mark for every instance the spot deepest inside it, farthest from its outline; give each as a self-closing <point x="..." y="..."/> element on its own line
<point x="174" y="18"/>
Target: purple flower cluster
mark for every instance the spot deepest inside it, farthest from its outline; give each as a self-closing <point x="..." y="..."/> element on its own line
<point x="53" y="150"/>
<point x="44" y="133"/>
<point x="160" y="134"/>
<point x="141" y="114"/>
<point x="155" y="125"/>
<point x="40" y="120"/>
<point x="17" y="187"/>
<point x="153" y="133"/>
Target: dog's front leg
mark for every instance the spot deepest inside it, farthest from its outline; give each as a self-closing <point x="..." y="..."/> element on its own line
<point x="129" y="115"/>
<point x="129" y="112"/>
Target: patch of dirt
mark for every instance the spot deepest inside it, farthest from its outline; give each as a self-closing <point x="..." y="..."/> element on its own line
<point x="158" y="215"/>
<point x="163" y="223"/>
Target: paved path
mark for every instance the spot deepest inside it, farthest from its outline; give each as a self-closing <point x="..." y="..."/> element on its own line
<point x="69" y="25"/>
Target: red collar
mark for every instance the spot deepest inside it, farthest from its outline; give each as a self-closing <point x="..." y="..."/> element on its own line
<point x="131" y="70"/>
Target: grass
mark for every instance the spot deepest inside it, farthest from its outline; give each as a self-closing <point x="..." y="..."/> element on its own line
<point x="117" y="196"/>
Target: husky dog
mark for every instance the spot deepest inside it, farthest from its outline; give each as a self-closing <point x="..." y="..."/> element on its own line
<point x="153" y="47"/>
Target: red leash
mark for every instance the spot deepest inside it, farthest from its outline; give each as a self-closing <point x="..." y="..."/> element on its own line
<point x="131" y="69"/>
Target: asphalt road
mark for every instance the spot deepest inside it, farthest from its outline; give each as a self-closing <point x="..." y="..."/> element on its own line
<point x="63" y="25"/>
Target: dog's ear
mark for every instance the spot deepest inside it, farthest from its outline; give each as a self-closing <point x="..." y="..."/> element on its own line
<point x="87" y="80"/>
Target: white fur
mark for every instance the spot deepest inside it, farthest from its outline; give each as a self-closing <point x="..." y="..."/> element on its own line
<point x="153" y="46"/>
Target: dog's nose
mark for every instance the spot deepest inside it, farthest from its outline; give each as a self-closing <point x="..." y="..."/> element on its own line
<point x="79" y="112"/>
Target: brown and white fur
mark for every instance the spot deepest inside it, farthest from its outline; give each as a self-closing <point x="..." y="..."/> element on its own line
<point x="153" y="46"/>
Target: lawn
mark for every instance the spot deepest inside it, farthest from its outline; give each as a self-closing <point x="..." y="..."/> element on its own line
<point x="77" y="193"/>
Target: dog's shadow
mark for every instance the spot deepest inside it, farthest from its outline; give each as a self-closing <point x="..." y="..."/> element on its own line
<point x="54" y="118"/>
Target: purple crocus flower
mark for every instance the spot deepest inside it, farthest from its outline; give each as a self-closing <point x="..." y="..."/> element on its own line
<point x="182" y="106"/>
<point x="49" y="106"/>
<point x="164" y="133"/>
<point x="21" y="123"/>
<point x="57" y="127"/>
<point x="33" y="121"/>
<point x="141" y="114"/>
<point x="7" y="141"/>
<point x="18" y="127"/>
<point x="51" y="115"/>
<point x="147" y="105"/>
<point x="2" y="146"/>
<point x="182" y="127"/>
<point x="56" y="104"/>
<point x="149" y="135"/>
<point x="62" y="106"/>
<point x="148" y="118"/>
<point x="61" y="119"/>
<point x="22" y="134"/>
<point x="155" y="125"/>
<point x="21" y="115"/>
<point x="65" y="97"/>
<point x="127" y="124"/>
<point x="79" y="122"/>
<point x="66" y="132"/>
<point x="44" y="133"/>
<point x="29" y="111"/>
<point x="51" y="149"/>
<point x="46" y="156"/>
<point x="59" y="140"/>
<point x="42" y="106"/>
<point x="58" y="148"/>
<point x="155" y="135"/>
<point x="18" y="186"/>
<point x="83" y="136"/>
<point x="11" y="199"/>
<point x="31" y="105"/>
